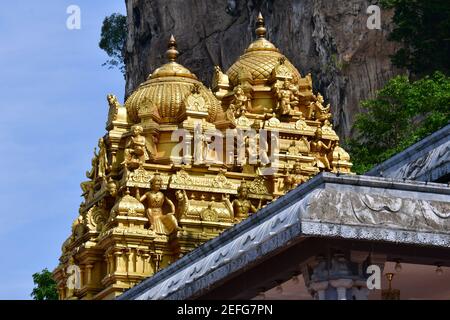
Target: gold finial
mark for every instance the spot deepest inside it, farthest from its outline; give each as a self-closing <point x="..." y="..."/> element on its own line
<point x="260" y="30"/>
<point x="172" y="52"/>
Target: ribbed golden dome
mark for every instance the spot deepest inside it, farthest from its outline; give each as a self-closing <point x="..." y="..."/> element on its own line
<point x="260" y="58"/>
<point x="167" y="88"/>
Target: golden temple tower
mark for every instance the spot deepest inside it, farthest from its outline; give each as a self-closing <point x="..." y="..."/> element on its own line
<point x="180" y="163"/>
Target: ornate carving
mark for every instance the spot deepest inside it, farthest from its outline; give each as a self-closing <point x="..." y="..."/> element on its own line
<point x="320" y="151"/>
<point x="240" y="103"/>
<point x="294" y="179"/>
<point x="264" y="93"/>
<point x="317" y="110"/>
<point x="127" y="206"/>
<point x="136" y="150"/>
<point x="114" y="106"/>
<point x="258" y="186"/>
<point x="141" y="175"/>
<point x="287" y="98"/>
<point x="281" y="71"/>
<point x="328" y="131"/>
<point x="162" y="221"/>
<point x="220" y="80"/>
<point x="377" y="210"/>
<point x="242" y="206"/>
<point x="100" y="164"/>
<point x="221" y="182"/>
<point x="209" y="214"/>
<point x="195" y="102"/>
<point x="341" y="159"/>
<point x="200" y="146"/>
<point x="218" y="183"/>
<point x="97" y="218"/>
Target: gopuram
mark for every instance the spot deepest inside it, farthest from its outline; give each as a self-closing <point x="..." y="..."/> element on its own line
<point x="181" y="163"/>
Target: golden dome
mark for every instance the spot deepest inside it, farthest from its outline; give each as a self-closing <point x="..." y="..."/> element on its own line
<point x="167" y="88"/>
<point x="260" y="58"/>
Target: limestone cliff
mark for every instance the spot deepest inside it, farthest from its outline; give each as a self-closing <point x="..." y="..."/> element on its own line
<point x="328" y="38"/>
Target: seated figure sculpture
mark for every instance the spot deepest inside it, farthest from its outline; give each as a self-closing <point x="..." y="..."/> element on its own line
<point x="136" y="151"/>
<point x="154" y="200"/>
<point x="294" y="179"/>
<point x="240" y="102"/>
<point x="286" y="98"/>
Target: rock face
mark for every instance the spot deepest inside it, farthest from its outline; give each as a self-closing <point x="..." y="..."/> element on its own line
<point x="328" y="39"/>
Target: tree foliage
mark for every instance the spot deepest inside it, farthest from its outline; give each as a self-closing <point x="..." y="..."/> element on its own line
<point x="45" y="286"/>
<point x="113" y="40"/>
<point x="423" y="28"/>
<point x="402" y="113"/>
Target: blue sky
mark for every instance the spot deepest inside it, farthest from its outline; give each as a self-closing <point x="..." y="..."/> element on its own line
<point x="53" y="109"/>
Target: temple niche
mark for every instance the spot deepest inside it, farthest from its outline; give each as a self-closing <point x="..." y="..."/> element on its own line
<point x="181" y="163"/>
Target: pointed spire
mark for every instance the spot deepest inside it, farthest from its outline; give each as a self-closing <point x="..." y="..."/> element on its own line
<point x="260" y="30"/>
<point x="172" y="52"/>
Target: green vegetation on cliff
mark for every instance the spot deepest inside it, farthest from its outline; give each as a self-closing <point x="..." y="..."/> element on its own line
<point x="406" y="110"/>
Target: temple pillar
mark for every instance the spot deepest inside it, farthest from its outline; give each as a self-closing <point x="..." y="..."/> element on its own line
<point x="337" y="276"/>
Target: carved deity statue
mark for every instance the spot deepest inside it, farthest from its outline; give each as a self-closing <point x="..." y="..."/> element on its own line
<point x="209" y="214"/>
<point x="293" y="149"/>
<point x="251" y="146"/>
<point x="240" y="103"/>
<point x="294" y="179"/>
<point x="242" y="206"/>
<point x="111" y="187"/>
<point x="161" y="222"/>
<point x="318" y="111"/>
<point x="99" y="162"/>
<point x="136" y="151"/>
<point x="321" y="150"/>
<point x="200" y="146"/>
<point x="286" y="97"/>
<point x="183" y="203"/>
<point x="103" y="166"/>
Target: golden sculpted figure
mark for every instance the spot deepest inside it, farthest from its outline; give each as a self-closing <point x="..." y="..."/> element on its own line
<point x="154" y="200"/>
<point x="102" y="159"/>
<point x="99" y="162"/>
<point x="293" y="149"/>
<point x="294" y="179"/>
<point x="321" y="150"/>
<point x="136" y="152"/>
<point x="242" y="206"/>
<point x="209" y="214"/>
<point x="200" y="146"/>
<point x="240" y="104"/>
<point x="286" y="98"/>
<point x="114" y="106"/>
<point x="317" y="109"/>
<point x="183" y="203"/>
<point x="219" y="78"/>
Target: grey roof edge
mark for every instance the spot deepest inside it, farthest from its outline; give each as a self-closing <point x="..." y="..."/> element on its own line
<point x="413" y="152"/>
<point x="265" y="213"/>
